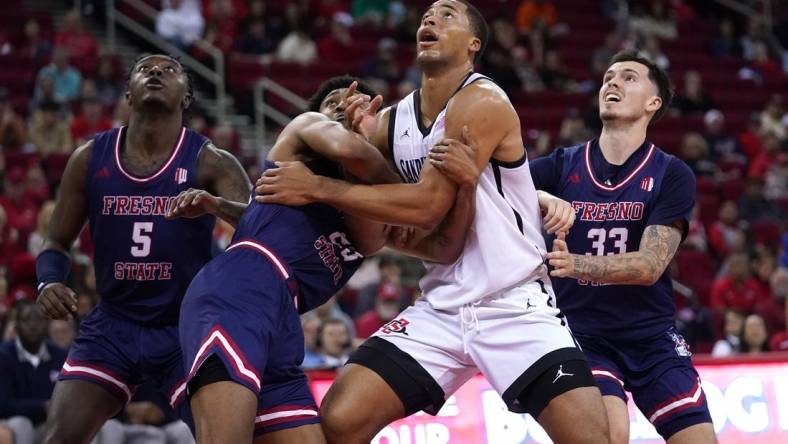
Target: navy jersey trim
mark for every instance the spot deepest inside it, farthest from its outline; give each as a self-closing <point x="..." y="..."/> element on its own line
<point x="160" y="171"/>
<point x="510" y="165"/>
<point x="635" y="172"/>
<point x="499" y="184"/>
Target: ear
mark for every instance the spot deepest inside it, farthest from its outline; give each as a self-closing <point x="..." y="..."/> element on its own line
<point x="654" y="103"/>
<point x="187" y="101"/>
<point x="475" y="45"/>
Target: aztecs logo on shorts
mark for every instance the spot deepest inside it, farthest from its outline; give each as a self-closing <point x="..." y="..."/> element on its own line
<point x="395" y="326"/>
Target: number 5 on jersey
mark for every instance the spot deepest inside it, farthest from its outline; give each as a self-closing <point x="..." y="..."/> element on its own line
<point x="140" y="235"/>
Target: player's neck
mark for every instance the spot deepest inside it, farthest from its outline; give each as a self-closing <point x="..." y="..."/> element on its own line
<point x="437" y="87"/>
<point x="618" y="142"/>
<point x="153" y="133"/>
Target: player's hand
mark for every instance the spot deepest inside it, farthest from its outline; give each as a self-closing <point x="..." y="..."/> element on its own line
<point x="58" y="301"/>
<point x="360" y="111"/>
<point x="560" y="258"/>
<point x="558" y="213"/>
<point x="193" y="203"/>
<point x="290" y="183"/>
<point x="402" y="236"/>
<point x="456" y="159"/>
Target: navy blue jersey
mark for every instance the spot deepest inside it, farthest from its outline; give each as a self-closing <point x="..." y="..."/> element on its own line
<point x="614" y="205"/>
<point x="144" y="262"/>
<point x="310" y="239"/>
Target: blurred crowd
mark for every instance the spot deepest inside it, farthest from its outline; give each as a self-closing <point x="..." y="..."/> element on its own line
<point x="731" y="274"/>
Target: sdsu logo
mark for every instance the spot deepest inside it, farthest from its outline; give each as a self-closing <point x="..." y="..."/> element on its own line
<point x="395" y="326"/>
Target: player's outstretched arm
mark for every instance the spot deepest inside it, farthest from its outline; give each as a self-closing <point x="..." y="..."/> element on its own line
<point x="457" y="161"/>
<point x="225" y="188"/>
<point x="54" y="263"/>
<point x="643" y="267"/>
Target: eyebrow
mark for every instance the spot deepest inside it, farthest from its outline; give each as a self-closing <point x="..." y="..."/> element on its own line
<point x="610" y="71"/>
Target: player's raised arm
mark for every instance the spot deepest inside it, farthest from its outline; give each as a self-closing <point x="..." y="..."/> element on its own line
<point x="226" y="188"/>
<point x="489" y="117"/>
<point x="54" y="263"/>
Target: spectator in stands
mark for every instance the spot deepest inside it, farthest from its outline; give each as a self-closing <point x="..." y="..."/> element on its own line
<point x="573" y="130"/>
<point x="722" y="145"/>
<point x="737" y="288"/>
<point x="311" y="324"/>
<point x="297" y="46"/>
<point x="13" y="133"/>
<point x="763" y="63"/>
<point x="62" y="332"/>
<point x="90" y="121"/>
<point x="773" y="118"/>
<point x="725" y="42"/>
<point x="532" y="13"/>
<point x="370" y="11"/>
<point x="657" y="22"/>
<point x="653" y="52"/>
<point x="694" y="152"/>
<point x="696" y="233"/>
<point x="326" y="9"/>
<point x="33" y="45"/>
<point x="724" y="232"/>
<point x="505" y="57"/>
<point x="79" y="43"/>
<point x="767" y="158"/>
<point x="754" y="205"/>
<point x="222" y="24"/>
<point x="337" y="46"/>
<point x="334" y="342"/>
<point x="66" y="79"/>
<point x="148" y="418"/>
<point x="29" y="366"/>
<point x="20" y="211"/>
<point x="225" y="137"/>
<point x="384" y="66"/>
<point x="49" y="132"/>
<point x="332" y="310"/>
<point x="386" y="308"/>
<point x="779" y="341"/>
<point x="751" y="138"/>
<point x="35" y="243"/>
<point x="754" y="337"/>
<point x="390" y="269"/>
<point x="554" y="74"/>
<point x="693" y="97"/>
<point x="180" y="22"/>
<point x="732" y="328"/>
<point x="109" y="87"/>
<point x="600" y="58"/>
<point x="770" y="278"/>
<point x="255" y="40"/>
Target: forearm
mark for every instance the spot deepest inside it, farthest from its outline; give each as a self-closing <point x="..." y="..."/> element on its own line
<point x="636" y="268"/>
<point x="446" y="244"/>
<point x="396" y="204"/>
<point x="229" y="211"/>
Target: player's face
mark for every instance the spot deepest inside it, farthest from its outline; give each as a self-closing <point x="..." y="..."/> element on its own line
<point x="332" y="105"/>
<point x="158" y="80"/>
<point x="627" y="93"/>
<point x="445" y="34"/>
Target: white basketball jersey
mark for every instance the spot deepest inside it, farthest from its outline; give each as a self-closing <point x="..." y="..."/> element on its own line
<point x="504" y="245"/>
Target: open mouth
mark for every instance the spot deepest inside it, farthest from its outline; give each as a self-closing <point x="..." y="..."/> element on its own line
<point x="612" y="97"/>
<point x="154" y="83"/>
<point x="427" y="37"/>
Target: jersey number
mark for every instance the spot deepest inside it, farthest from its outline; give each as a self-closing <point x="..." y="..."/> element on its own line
<point x="348" y="252"/>
<point x="141" y="237"/>
<point x="600" y="235"/>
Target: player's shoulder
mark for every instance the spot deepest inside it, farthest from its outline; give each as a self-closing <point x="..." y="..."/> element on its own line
<point x="673" y="165"/>
<point x="482" y="91"/>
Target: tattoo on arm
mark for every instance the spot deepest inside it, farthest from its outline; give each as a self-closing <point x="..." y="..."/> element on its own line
<point x="643" y="267"/>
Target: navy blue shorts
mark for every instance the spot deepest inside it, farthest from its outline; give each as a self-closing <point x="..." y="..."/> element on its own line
<point x="659" y="374"/>
<point x="240" y="307"/>
<point x="119" y="354"/>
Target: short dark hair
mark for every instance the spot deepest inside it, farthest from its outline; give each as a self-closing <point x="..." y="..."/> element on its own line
<point x="478" y="27"/>
<point x="655" y="73"/>
<point x="186" y="72"/>
<point x="334" y="83"/>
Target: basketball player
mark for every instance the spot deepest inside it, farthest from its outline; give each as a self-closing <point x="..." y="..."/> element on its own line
<point x="493" y="309"/>
<point x="633" y="204"/>
<point x="123" y="182"/>
<point x="239" y="325"/>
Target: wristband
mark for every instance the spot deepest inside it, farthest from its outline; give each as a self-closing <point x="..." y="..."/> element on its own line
<point x="52" y="266"/>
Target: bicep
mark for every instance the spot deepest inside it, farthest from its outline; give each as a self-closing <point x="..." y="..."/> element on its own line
<point x="70" y="210"/>
<point x="676" y="198"/>
<point x="230" y="180"/>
